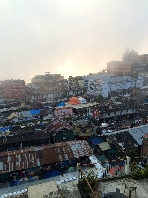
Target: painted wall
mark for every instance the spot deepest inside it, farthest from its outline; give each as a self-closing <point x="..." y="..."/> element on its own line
<point x="63" y="136"/>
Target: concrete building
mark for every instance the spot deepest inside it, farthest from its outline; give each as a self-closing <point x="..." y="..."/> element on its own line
<point x="75" y="85"/>
<point x="1" y="92"/>
<point x="43" y="90"/>
<point x="95" y="88"/>
<point x="143" y="58"/>
<point x="130" y="55"/>
<point x="103" y="84"/>
<point x="133" y="56"/>
<point x="145" y="145"/>
<point x="132" y="64"/>
<point x="47" y="78"/>
<point x="119" y="67"/>
<point x="13" y="89"/>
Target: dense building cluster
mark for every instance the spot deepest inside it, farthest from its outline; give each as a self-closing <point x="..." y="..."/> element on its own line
<point x="55" y="129"/>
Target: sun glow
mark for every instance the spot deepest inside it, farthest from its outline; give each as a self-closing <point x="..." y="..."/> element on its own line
<point x="67" y="69"/>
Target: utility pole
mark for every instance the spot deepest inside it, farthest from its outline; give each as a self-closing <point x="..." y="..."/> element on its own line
<point x="127" y="161"/>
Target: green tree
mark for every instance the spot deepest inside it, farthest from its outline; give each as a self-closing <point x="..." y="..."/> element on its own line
<point x="118" y="99"/>
<point x="93" y="181"/>
<point x="98" y="98"/>
<point x="133" y="153"/>
<point x="138" y="174"/>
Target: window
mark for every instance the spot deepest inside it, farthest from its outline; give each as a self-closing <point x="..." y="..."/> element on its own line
<point x="64" y="136"/>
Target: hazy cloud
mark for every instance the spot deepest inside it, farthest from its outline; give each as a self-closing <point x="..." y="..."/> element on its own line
<point x="70" y="37"/>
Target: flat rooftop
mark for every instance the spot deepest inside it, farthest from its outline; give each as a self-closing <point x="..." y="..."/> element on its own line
<point x="48" y="189"/>
<point x="141" y="191"/>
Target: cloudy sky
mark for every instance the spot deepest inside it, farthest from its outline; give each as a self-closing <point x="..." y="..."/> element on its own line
<point x="71" y="37"/>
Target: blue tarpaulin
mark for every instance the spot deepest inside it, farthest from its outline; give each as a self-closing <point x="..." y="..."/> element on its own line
<point x="97" y="140"/>
<point x="61" y="104"/>
<point x="54" y="173"/>
<point x="6" y="128"/>
<point x="34" y="112"/>
<point x="66" y="162"/>
<point x="14" y="183"/>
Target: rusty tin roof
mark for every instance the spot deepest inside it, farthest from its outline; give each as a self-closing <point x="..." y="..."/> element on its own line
<point x="38" y="156"/>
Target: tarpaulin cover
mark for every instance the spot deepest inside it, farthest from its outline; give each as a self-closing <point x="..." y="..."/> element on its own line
<point x="49" y="174"/>
<point x="34" y="112"/>
<point x="61" y="104"/>
<point x="6" y="128"/>
<point x="97" y="140"/>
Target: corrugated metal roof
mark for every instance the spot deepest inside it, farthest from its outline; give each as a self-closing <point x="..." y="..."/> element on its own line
<point x="138" y="133"/>
<point x="38" y="156"/>
<point x="80" y="148"/>
<point x="58" y="125"/>
<point x="26" y="114"/>
<point x="124" y="140"/>
<point x="24" y="136"/>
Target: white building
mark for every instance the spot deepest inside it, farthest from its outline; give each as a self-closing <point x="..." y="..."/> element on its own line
<point x="104" y="83"/>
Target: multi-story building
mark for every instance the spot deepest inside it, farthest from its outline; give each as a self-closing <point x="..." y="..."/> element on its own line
<point x="130" y="55"/>
<point x="119" y="67"/>
<point x="132" y="64"/>
<point x="96" y="87"/>
<point x="1" y="92"/>
<point x="13" y="89"/>
<point x="43" y="90"/>
<point x="104" y="84"/>
<point x="45" y="86"/>
<point x="47" y="78"/>
<point x="143" y="58"/>
<point x="145" y="146"/>
<point x="75" y="85"/>
<point x="133" y="56"/>
<point x="80" y="82"/>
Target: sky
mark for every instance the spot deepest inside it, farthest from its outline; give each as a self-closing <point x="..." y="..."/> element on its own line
<point x="69" y="37"/>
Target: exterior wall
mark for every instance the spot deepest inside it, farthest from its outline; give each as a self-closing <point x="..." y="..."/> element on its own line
<point x="130" y="55"/>
<point x="1" y="93"/>
<point x="81" y="83"/>
<point x="32" y="86"/>
<point x="104" y="89"/>
<point x="64" y="136"/>
<point x="117" y="113"/>
<point x="47" y="77"/>
<point x="139" y="82"/>
<point x="70" y="93"/>
<point x="14" y="120"/>
<point x="143" y="58"/>
<point x="64" y="112"/>
<point x="145" y="147"/>
<point x="13" y="89"/>
<point x="93" y="87"/>
<point x="116" y="67"/>
<point x="51" y="95"/>
<point x="96" y="87"/>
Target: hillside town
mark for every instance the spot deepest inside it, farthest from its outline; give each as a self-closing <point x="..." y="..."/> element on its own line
<point x="85" y="136"/>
